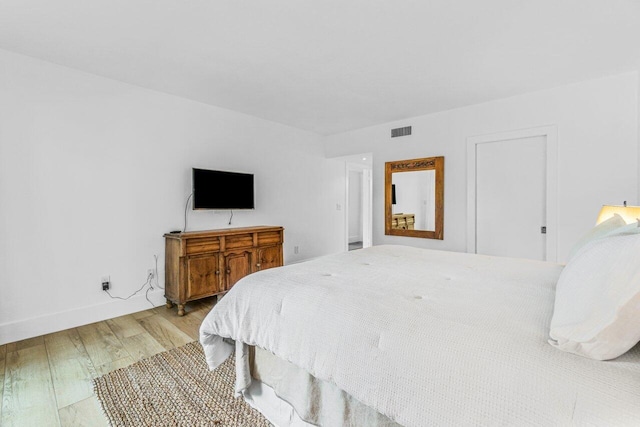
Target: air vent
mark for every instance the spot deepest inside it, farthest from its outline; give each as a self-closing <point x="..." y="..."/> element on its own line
<point x="401" y="131"/>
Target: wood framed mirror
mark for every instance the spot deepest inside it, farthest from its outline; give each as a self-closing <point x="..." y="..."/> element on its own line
<point x="414" y="198"/>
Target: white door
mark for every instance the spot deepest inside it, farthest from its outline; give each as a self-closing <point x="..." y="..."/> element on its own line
<point x="511" y="199"/>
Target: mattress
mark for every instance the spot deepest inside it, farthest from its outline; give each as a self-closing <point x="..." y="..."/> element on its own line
<point x="425" y="338"/>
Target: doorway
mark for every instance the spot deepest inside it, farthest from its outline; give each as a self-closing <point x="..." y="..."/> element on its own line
<point x="358" y="212"/>
<point x="354" y="223"/>
<point x="512" y="194"/>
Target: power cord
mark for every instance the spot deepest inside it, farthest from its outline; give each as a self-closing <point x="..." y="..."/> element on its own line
<point x="146" y="295"/>
<point x="157" y="281"/>
<point x="186" y="205"/>
<point x="148" y="282"/>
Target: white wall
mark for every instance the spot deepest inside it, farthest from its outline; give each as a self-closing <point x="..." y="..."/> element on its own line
<point x="93" y="172"/>
<point x="597" y="125"/>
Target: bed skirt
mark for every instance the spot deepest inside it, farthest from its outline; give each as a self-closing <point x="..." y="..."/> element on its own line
<point x="289" y="396"/>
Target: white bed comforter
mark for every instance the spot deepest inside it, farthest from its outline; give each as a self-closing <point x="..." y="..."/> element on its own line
<point x="426" y="338"/>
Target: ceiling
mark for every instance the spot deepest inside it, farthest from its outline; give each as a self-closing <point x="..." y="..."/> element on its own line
<point x="329" y="66"/>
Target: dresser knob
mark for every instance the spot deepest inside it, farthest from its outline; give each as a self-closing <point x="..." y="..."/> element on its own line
<point x="258" y="265"/>
<point x="217" y="271"/>
<point x="228" y="271"/>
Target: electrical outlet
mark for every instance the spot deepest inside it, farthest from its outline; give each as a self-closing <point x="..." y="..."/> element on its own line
<point x="106" y="283"/>
<point x="296" y="249"/>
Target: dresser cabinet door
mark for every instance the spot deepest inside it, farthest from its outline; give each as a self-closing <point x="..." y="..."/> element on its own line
<point x="269" y="257"/>
<point x="237" y="265"/>
<point x="204" y="275"/>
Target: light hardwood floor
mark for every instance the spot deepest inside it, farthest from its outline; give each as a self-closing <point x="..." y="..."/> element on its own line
<point x="47" y="380"/>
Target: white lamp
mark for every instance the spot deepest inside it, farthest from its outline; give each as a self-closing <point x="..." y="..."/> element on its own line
<point x="628" y="213"/>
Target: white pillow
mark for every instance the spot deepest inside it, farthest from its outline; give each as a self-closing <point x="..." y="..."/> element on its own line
<point x="633" y="228"/>
<point x="600" y="230"/>
<point x="597" y="306"/>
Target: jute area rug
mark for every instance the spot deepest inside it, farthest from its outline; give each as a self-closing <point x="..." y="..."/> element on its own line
<point x="175" y="388"/>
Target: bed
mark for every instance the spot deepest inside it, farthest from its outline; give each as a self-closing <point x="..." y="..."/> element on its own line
<point x="395" y="335"/>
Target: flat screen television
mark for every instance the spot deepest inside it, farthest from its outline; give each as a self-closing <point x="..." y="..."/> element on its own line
<point x="222" y="190"/>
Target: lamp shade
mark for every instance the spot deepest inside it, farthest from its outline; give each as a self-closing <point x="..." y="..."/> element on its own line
<point x="628" y="213"/>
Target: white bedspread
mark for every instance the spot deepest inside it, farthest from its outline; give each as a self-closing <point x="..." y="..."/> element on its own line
<point x="426" y="338"/>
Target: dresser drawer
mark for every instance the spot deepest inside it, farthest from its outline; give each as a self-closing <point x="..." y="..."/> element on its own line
<point x="239" y="241"/>
<point x="269" y="237"/>
<point x="203" y="244"/>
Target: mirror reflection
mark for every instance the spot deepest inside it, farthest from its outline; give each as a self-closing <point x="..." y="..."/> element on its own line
<point x="414" y="204"/>
<point x="414" y="197"/>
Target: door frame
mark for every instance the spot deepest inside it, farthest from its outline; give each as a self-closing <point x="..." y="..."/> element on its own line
<point x="551" y="135"/>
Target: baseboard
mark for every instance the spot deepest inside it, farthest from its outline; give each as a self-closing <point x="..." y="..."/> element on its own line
<point x="40" y="325"/>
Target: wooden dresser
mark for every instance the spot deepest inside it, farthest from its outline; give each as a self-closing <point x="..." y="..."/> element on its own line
<point x="199" y="264"/>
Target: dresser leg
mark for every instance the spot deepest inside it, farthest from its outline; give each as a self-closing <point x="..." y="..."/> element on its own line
<point x="169" y="304"/>
<point x="180" y="309"/>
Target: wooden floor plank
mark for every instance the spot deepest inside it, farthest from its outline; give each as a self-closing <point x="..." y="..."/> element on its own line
<point x="28" y="398"/>
<point x="21" y="345"/>
<point x="112" y="366"/>
<point x="3" y="351"/>
<point x="143" y="314"/>
<point x="86" y="413"/>
<point x="125" y="326"/>
<point x="165" y="332"/>
<point x="142" y="346"/>
<point x="204" y="307"/>
<point x="188" y="324"/>
<point x="71" y="368"/>
<point x="200" y="308"/>
<point x="101" y="343"/>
